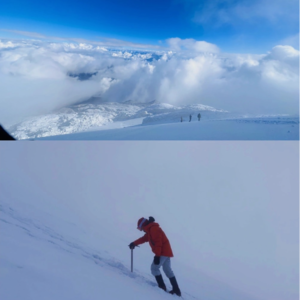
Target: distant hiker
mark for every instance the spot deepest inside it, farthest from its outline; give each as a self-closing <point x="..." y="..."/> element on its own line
<point x="190" y="118"/>
<point x="161" y="247"/>
<point x="181" y="119"/>
<point x="199" y="117"/>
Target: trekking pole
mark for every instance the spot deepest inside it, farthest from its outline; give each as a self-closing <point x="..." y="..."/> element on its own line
<point x="131" y="260"/>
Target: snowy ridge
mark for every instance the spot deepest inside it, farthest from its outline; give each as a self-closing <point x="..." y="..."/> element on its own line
<point x="210" y="130"/>
<point x="166" y="113"/>
<point x="94" y="115"/>
<point x="73" y="119"/>
<point x="88" y="116"/>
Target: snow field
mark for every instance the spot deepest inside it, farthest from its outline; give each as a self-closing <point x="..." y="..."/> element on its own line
<point x="69" y="211"/>
<point x="204" y="130"/>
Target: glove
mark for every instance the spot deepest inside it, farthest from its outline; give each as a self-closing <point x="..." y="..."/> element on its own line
<point x="156" y="260"/>
<point x="131" y="245"/>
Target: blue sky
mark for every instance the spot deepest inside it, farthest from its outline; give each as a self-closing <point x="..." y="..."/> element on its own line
<point x="234" y="25"/>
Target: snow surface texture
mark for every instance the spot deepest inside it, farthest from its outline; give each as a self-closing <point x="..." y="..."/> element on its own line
<point x="278" y="128"/>
<point x="69" y="211"/>
<point x="89" y="116"/>
<point x="37" y="78"/>
<point x="159" y="121"/>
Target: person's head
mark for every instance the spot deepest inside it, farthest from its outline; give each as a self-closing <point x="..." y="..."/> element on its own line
<point x="142" y="222"/>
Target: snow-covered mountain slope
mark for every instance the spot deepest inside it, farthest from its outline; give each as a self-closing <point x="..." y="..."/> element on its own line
<point x="226" y="129"/>
<point x="75" y="121"/>
<point x="69" y="211"/>
<point x="46" y="263"/>
<point x="91" y="115"/>
<point x="51" y="250"/>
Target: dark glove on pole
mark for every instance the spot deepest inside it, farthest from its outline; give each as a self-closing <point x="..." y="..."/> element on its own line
<point x="156" y="260"/>
<point x="131" y="245"/>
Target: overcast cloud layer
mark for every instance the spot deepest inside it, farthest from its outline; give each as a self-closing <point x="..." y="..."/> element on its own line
<point x="38" y="77"/>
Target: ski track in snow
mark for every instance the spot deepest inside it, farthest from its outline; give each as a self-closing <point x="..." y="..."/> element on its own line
<point x="38" y="231"/>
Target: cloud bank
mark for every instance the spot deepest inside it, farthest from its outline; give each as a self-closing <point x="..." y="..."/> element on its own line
<point x="38" y="77"/>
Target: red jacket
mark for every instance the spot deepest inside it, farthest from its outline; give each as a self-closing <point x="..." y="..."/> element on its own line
<point x="157" y="239"/>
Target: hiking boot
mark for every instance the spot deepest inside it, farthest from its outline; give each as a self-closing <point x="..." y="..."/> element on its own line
<point x="175" y="287"/>
<point x="160" y="282"/>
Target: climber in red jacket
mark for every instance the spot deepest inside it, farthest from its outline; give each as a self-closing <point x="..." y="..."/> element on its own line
<point x="161" y="247"/>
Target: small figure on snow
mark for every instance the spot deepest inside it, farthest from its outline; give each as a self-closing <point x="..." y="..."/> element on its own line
<point x="161" y="247"/>
<point x="181" y="119"/>
<point x="199" y="117"/>
<point x="190" y="118"/>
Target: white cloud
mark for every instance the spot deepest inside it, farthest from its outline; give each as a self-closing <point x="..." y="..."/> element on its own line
<point x="192" y="45"/>
<point x="34" y="77"/>
<point x="292" y="40"/>
<point x="7" y="44"/>
<point x="284" y="52"/>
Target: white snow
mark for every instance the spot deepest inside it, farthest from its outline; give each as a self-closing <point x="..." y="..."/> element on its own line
<point x="78" y="118"/>
<point x="236" y="129"/>
<point x="158" y="121"/>
<point x="69" y="211"/>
